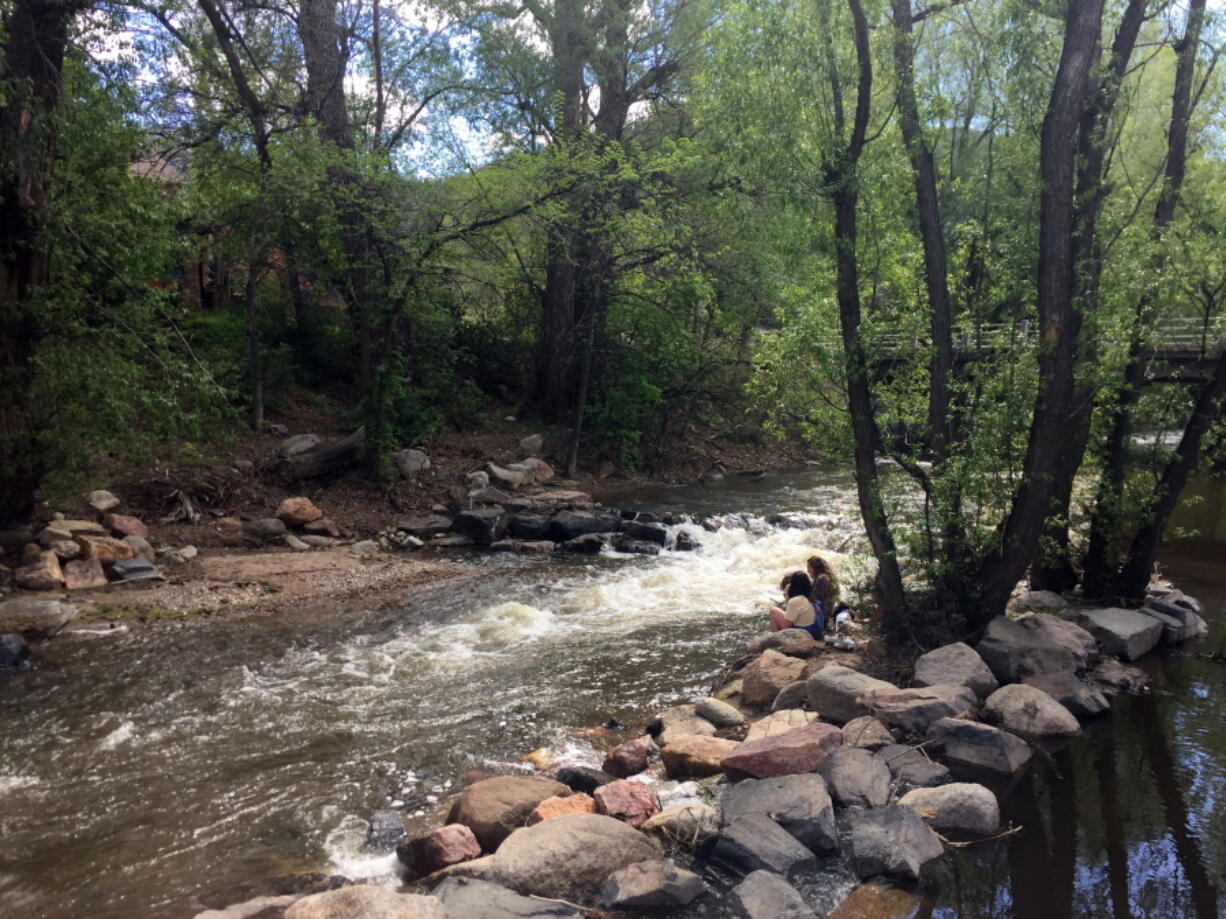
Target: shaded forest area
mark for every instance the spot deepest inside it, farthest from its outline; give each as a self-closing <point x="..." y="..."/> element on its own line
<point x="983" y="240"/>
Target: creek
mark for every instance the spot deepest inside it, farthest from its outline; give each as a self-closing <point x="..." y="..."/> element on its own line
<point x="141" y="768"/>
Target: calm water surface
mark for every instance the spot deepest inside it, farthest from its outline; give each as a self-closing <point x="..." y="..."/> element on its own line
<point x="139" y="770"/>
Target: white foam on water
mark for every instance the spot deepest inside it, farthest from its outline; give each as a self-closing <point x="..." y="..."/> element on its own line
<point x="347" y="855"/>
<point x="95" y="633"/>
<point x="121" y="735"/>
<point x="17" y="782"/>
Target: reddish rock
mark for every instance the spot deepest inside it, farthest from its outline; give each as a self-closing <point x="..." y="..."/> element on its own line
<point x="296" y="512"/>
<point x="801" y="750"/>
<point x="122" y="525"/>
<point x="631" y="802"/>
<point x="769" y="673"/>
<point x="42" y="572"/>
<point x="431" y="852"/>
<point x="559" y="806"/>
<point x="104" y="548"/>
<point x="629" y="758"/>
<point x="83" y="575"/>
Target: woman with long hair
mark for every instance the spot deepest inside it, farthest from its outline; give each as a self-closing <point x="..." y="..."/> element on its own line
<point x="798" y="611"/>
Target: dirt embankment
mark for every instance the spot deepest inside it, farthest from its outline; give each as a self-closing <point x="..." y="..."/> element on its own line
<point x="193" y="497"/>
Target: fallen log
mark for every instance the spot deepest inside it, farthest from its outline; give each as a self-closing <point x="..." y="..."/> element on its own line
<point x="323" y="460"/>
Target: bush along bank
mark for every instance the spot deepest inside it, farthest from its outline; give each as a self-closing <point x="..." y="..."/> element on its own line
<point x="799" y="762"/>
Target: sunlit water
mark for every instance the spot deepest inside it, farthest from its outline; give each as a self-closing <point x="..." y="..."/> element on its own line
<point x="141" y="768"/>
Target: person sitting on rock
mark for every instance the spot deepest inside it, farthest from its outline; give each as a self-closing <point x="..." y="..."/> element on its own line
<point x="798" y="611"/>
<point x="825" y="595"/>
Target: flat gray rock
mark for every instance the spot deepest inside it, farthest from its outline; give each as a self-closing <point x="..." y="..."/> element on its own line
<point x="471" y="898"/>
<point x="894" y="841"/>
<point x="799" y="803"/>
<point x="910" y="768"/>
<point x="763" y="895"/>
<point x="652" y="885"/>
<point x="956" y="663"/>
<point x="976" y="746"/>
<point x="856" y="778"/>
<point x="1124" y="633"/>
<point x="756" y="843"/>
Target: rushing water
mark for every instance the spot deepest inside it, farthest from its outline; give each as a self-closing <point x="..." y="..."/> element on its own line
<point x="141" y="768"/>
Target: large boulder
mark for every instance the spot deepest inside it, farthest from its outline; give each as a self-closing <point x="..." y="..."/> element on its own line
<point x="801" y="750"/>
<point x="433" y="851"/>
<point x="1174" y="628"/>
<point x="569" y="858"/>
<point x="570" y="524"/>
<point x="792" y="642"/>
<point x="35" y="618"/>
<point x="979" y="747"/>
<point x="964" y="807"/>
<point x="105" y="549"/>
<point x="84" y="575"/>
<point x="679" y="721"/>
<point x="632" y="802"/>
<point x="1036" y="643"/>
<point x="647" y="532"/>
<point x="718" y="712"/>
<point x="493" y="807"/>
<point x="103" y="501"/>
<point x="913" y="710"/>
<point x="533" y="443"/>
<point x="1124" y="633"/>
<point x="835" y="691"/>
<point x="696" y="756"/>
<point x="122" y="525"/>
<point x="266" y="528"/>
<point x="780" y="722"/>
<point x="484" y="525"/>
<point x="910" y="767"/>
<point x="755" y="842"/>
<point x="1030" y="712"/>
<point x="296" y="512"/>
<point x="894" y="841"/>
<point x="800" y="804"/>
<point x="632" y="757"/>
<point x="687" y="824"/>
<point x="504" y="477"/>
<point x="472" y="898"/>
<point x="763" y="895"/>
<point x="529" y="526"/>
<point x="1117" y="677"/>
<point x="767" y="674"/>
<point x="41" y="572"/>
<point x="1079" y="698"/>
<point x="856" y="778"/>
<point x="656" y="884"/>
<point x="957" y="663"/>
<point x="366" y="901"/>
<point x="867" y="732"/>
<point x="410" y="462"/>
<point x="794" y="695"/>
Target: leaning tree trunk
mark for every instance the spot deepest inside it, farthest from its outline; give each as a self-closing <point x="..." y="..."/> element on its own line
<point x="928" y="212"/>
<point x="35" y="41"/>
<point x="1046" y="467"/>
<point x="1144" y="552"/>
<point x="841" y="179"/>
<point x="323" y="460"/>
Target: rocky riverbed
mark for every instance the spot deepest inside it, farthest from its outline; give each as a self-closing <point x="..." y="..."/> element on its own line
<point x="799" y="763"/>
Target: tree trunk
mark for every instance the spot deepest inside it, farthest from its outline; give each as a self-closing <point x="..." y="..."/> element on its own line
<point x="1102" y="570"/>
<point x="36" y="37"/>
<point x="1209" y="403"/>
<point x="324" y="460"/>
<point x="1054" y="570"/>
<point x="928" y="211"/>
<point x="1045" y="467"/>
<point x="255" y="370"/>
<point x="841" y="179"/>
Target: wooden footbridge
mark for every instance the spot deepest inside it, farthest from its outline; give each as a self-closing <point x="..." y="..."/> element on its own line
<point x="1180" y="350"/>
